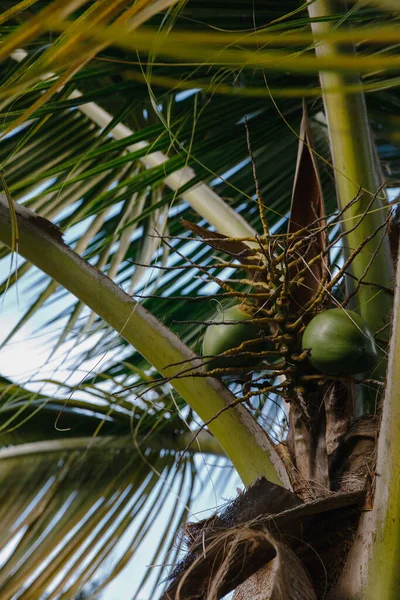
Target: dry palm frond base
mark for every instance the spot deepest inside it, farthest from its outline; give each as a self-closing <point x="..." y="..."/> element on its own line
<point x="267" y="544"/>
<point x="270" y="545"/>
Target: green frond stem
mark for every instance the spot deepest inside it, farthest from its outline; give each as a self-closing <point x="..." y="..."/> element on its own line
<point x="243" y="440"/>
<point x="372" y="568"/>
<point x="201" y="197"/>
<point x="356" y="166"/>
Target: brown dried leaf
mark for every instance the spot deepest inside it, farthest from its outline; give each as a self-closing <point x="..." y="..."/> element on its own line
<point x="338" y="410"/>
<point x="307" y="438"/>
<point x="282" y="578"/>
<point x="306" y="208"/>
<point x="354" y="465"/>
<point x="219" y="241"/>
<point x="235" y="248"/>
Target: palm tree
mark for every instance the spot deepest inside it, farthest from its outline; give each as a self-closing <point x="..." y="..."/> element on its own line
<point x="150" y="198"/>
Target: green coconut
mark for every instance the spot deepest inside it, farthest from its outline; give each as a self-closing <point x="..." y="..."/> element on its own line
<point x="340" y="343"/>
<point x="230" y="335"/>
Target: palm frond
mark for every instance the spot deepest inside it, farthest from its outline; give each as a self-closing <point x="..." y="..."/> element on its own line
<point x="70" y="503"/>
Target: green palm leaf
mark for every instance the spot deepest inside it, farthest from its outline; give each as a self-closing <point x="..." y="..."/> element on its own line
<point x="69" y="499"/>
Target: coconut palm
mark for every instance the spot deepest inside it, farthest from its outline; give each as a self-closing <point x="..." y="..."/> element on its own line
<point x="160" y="160"/>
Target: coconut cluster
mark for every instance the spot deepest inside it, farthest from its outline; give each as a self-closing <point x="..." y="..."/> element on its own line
<point x="285" y="324"/>
<point x="336" y="341"/>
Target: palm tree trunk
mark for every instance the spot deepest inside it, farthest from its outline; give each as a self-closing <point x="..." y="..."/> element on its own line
<point x="372" y="568"/>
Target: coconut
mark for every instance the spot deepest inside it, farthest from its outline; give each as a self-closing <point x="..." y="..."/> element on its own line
<point x="230" y="335"/>
<point x="340" y="343"/>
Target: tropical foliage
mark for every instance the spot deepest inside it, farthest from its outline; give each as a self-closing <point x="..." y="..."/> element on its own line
<point x="140" y="129"/>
